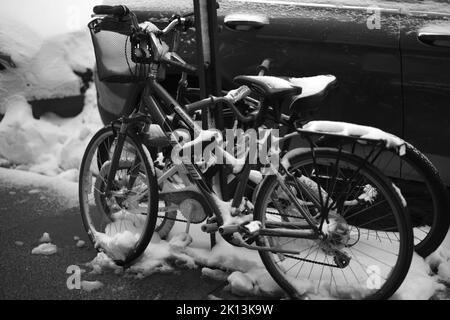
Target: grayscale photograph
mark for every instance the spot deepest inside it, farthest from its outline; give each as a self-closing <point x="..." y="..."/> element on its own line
<point x="247" y="151"/>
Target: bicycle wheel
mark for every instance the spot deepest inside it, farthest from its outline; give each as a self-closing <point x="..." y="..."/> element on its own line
<point x="122" y="224"/>
<point x="368" y="248"/>
<point x="424" y="191"/>
<point x="166" y="219"/>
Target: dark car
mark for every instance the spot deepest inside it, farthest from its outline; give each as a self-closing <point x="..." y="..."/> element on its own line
<point x="391" y="59"/>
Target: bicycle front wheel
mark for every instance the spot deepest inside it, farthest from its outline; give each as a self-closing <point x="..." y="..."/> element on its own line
<point x="122" y="222"/>
<point x="368" y="245"/>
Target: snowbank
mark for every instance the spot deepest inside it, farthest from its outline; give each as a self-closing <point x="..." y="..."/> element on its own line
<point x="51" y="146"/>
<point x="44" y="66"/>
<point x="44" y="69"/>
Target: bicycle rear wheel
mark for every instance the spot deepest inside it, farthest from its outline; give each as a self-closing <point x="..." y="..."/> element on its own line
<point x="368" y="248"/>
<point x="421" y="186"/>
<point x="121" y="224"/>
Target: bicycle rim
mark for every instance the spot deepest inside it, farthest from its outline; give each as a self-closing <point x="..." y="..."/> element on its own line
<point x="122" y="224"/>
<point x="374" y="237"/>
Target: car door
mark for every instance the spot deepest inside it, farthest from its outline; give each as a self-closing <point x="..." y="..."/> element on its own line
<point x="359" y="45"/>
<point x="425" y="44"/>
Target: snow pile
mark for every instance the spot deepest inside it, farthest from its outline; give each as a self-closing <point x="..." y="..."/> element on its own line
<point x="44" y="67"/>
<point x="45" y="249"/>
<point x="419" y="284"/>
<point x="354" y="130"/>
<point x="244" y="271"/>
<point x="439" y="260"/>
<point x="51" y="146"/>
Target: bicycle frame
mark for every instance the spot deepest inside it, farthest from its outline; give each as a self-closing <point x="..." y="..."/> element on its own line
<point x="150" y="111"/>
<point x="149" y="105"/>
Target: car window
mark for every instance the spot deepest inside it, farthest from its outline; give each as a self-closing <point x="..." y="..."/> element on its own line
<point x="157" y="5"/>
<point x="403" y="5"/>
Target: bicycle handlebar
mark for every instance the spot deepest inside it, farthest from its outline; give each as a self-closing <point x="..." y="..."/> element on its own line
<point x="119" y="11"/>
<point x="184" y="66"/>
<point x="242" y="93"/>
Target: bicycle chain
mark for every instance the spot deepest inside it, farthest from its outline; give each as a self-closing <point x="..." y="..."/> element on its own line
<point x="311" y="261"/>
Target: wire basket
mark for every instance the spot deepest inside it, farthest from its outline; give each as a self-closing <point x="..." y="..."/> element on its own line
<point x="111" y="40"/>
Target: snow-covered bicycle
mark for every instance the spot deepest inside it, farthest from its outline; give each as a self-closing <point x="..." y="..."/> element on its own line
<point x="322" y="215"/>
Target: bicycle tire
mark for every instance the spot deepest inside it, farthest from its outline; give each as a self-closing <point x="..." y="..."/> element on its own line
<point x="85" y="187"/>
<point x="399" y="271"/>
<point x="435" y="197"/>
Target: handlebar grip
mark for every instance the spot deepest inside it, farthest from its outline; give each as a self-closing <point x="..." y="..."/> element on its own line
<point x="263" y="67"/>
<point x="184" y="66"/>
<point x="119" y="11"/>
<point x="237" y="94"/>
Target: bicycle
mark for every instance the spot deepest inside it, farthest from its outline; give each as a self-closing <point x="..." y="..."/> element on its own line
<point x="411" y="171"/>
<point x="120" y="188"/>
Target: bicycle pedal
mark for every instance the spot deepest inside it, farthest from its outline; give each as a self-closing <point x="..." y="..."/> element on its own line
<point x="210" y="227"/>
<point x="228" y="229"/>
<point x="252" y="228"/>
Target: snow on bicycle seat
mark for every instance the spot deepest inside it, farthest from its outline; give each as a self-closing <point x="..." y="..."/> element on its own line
<point x="269" y="86"/>
<point x="314" y="86"/>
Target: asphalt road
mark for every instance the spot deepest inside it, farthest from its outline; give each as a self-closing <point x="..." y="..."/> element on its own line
<point x="25" y="217"/>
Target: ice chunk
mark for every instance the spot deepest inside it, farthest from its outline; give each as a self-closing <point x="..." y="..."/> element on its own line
<point x="80" y="243"/>
<point x="91" y="285"/>
<point x="215" y="274"/>
<point x="45" y="238"/>
<point x="45" y="249"/>
<point x="241" y="284"/>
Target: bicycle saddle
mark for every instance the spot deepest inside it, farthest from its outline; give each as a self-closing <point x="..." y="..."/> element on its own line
<point x="268" y="86"/>
<point x="315" y="90"/>
<point x="314" y="86"/>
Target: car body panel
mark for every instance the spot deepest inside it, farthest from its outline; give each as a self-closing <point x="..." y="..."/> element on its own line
<point x="426" y="82"/>
<point x="387" y="78"/>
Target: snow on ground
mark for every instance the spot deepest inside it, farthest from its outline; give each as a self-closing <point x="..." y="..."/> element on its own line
<point x="45" y="238"/>
<point x="64" y="192"/>
<point x="244" y="270"/>
<point x="91" y="285"/>
<point x="45" y="249"/>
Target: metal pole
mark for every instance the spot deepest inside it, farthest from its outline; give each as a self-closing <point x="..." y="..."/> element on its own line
<point x="205" y="12"/>
<point x="209" y="74"/>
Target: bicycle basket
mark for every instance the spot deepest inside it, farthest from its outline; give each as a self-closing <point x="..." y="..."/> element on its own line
<point x="110" y="37"/>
